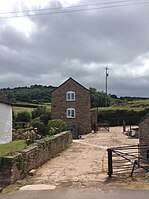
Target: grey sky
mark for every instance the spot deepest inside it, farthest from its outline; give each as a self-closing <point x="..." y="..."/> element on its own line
<point x="48" y="49"/>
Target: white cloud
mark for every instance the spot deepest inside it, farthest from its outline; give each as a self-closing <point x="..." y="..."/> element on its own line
<point x="68" y="2"/>
<point x="25" y="25"/>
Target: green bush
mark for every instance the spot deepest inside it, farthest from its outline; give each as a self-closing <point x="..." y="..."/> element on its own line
<point x="42" y="130"/>
<point x="39" y="111"/>
<point x="56" y="126"/>
<point x="23" y="117"/>
<point x="45" y="118"/>
<point x="37" y="119"/>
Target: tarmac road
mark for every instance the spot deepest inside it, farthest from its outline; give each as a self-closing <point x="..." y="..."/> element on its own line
<point x="91" y="193"/>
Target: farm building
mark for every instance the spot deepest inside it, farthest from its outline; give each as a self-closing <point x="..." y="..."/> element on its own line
<point x="144" y="135"/>
<point x="5" y="119"/>
<point x="71" y="103"/>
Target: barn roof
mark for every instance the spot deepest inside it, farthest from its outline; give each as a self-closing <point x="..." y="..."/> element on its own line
<point x="4" y="99"/>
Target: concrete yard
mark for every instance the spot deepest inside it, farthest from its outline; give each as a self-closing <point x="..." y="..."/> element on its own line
<point x="84" y="164"/>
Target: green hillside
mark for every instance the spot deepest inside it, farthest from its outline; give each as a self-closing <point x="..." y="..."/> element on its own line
<point x="36" y="94"/>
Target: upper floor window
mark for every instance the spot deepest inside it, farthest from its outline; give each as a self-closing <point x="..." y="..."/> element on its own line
<point x="70" y="96"/>
<point x="70" y="113"/>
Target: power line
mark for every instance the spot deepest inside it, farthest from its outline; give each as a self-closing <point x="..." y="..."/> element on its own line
<point x="68" y="7"/>
<point x="70" y="10"/>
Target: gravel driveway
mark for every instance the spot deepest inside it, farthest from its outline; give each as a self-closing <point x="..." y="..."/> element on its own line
<point x="84" y="164"/>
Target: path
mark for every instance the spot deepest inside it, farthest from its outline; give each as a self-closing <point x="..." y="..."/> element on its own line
<point x="84" y="164"/>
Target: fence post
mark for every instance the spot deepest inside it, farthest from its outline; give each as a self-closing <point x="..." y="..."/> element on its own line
<point x="110" y="168"/>
<point x="134" y="164"/>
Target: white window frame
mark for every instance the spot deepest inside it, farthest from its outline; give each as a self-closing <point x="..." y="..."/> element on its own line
<point x="70" y="96"/>
<point x="71" y="113"/>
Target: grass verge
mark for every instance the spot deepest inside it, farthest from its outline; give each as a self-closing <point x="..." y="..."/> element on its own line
<point x="12" y="147"/>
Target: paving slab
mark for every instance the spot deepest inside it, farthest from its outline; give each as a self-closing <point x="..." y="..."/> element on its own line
<point x="38" y="187"/>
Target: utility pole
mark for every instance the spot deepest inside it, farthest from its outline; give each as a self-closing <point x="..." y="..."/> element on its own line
<point x="107" y="74"/>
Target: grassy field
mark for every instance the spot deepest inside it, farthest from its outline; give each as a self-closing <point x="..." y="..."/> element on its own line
<point x="21" y="109"/>
<point x="17" y="109"/>
<point x="14" y="146"/>
<point x="136" y="105"/>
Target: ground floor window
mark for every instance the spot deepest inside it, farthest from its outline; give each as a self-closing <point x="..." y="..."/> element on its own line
<point x="70" y="113"/>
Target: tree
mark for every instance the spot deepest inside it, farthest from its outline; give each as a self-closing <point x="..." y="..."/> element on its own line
<point x="98" y="99"/>
<point x="37" y="93"/>
<point x="114" y="96"/>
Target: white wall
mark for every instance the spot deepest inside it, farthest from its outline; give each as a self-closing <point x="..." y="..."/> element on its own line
<point x="5" y="123"/>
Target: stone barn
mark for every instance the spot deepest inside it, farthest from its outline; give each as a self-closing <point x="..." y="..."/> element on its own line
<point x="71" y="103"/>
<point x="144" y="135"/>
<point x="5" y="119"/>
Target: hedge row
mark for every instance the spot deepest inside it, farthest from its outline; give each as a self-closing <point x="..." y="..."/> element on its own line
<point x="117" y="116"/>
<point x="25" y="105"/>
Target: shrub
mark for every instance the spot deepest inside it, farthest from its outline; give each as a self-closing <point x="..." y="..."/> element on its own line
<point x="56" y="126"/>
<point x="37" y="119"/>
<point x="28" y="134"/>
<point x="39" y="111"/>
<point x="23" y="117"/>
<point x="45" y="118"/>
<point x="40" y="127"/>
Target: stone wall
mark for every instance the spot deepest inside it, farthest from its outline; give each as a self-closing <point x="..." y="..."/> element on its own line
<point x="144" y="132"/>
<point x="144" y="137"/>
<point x="17" y="167"/>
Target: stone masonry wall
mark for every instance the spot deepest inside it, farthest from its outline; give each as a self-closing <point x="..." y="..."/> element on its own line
<point x="144" y="132"/>
<point x="17" y="167"/>
<point x="144" y="137"/>
<point x="81" y="105"/>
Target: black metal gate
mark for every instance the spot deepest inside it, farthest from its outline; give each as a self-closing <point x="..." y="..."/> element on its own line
<point x="127" y="159"/>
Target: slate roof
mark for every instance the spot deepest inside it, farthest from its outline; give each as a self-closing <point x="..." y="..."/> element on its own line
<point x="74" y="81"/>
<point x="4" y="99"/>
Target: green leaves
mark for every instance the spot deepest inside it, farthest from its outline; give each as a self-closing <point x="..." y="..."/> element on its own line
<point x="98" y="99"/>
<point x="23" y="117"/>
<point x="56" y="126"/>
